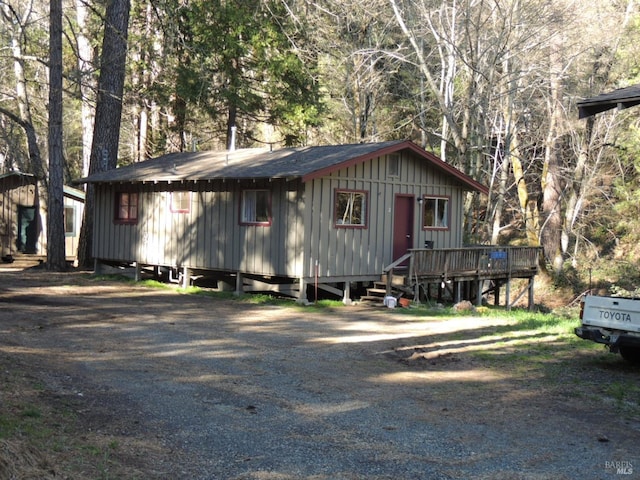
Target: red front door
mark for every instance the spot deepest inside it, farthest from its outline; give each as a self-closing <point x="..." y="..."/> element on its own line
<point x="403" y="225"/>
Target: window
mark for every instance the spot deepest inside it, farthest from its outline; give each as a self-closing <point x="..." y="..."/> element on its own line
<point x="351" y="209"/>
<point x="393" y="165"/>
<point x="180" y="202"/>
<point x="435" y="213"/>
<point x="69" y="221"/>
<point x="126" y="207"/>
<point x="255" y="208"/>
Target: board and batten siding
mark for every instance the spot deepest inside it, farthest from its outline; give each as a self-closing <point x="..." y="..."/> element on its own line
<point x="361" y="252"/>
<point x="209" y="236"/>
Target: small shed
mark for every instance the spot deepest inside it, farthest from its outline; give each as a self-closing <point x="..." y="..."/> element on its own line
<point x="23" y="216"/>
<point x="20" y="221"/>
<point x="73" y="213"/>
<point x="326" y="216"/>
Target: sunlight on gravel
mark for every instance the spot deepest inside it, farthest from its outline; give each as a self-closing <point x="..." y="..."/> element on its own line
<point x="439" y="376"/>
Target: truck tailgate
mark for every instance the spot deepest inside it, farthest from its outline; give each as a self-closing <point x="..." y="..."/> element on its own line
<point x="612" y="312"/>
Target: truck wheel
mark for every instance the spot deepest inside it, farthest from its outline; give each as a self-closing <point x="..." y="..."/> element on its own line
<point x="630" y="354"/>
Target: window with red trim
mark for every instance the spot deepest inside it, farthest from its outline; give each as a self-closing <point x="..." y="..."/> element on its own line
<point x="126" y="207"/>
<point x="255" y="207"/>
<point x="180" y="202"/>
<point x="350" y="208"/>
<point x="435" y="213"/>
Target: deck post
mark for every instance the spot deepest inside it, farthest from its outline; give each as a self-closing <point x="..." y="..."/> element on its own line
<point x="138" y="271"/>
<point x="508" y="294"/>
<point x="496" y="293"/>
<point x="479" y="284"/>
<point x="531" y="283"/>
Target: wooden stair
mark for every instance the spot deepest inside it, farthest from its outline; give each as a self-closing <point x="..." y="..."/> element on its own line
<point x="378" y="292"/>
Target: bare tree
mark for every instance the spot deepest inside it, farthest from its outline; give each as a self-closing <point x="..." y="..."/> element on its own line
<point x="85" y="79"/>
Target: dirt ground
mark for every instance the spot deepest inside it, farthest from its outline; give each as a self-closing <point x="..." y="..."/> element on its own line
<point x="105" y="380"/>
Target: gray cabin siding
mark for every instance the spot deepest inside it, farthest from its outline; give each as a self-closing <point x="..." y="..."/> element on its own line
<point x="209" y="236"/>
<point x="303" y="232"/>
<point x="358" y="252"/>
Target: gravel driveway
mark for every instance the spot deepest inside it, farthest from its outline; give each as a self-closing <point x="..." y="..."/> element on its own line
<point x="202" y="388"/>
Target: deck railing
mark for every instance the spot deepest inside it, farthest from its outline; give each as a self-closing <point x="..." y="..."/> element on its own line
<point x="489" y="261"/>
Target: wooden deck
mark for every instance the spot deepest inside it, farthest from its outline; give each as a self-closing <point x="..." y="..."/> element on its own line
<point x="466" y="271"/>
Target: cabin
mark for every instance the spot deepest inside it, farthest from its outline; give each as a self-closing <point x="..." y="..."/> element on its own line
<point x="294" y="219"/>
<point x="22" y="217"/>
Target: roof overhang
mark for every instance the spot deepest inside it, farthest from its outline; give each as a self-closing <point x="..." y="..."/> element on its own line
<point x="302" y="164"/>
<point x="17" y="174"/>
<point x="621" y="99"/>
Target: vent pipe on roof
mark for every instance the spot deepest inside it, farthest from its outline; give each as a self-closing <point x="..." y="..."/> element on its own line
<point x="232" y="141"/>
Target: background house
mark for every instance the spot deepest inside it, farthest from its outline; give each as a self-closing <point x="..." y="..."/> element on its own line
<point x="22" y="217"/>
<point x="327" y="216"/>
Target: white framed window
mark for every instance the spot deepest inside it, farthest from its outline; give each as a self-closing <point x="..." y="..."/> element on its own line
<point x="70" y="221"/>
<point x="255" y="207"/>
<point x="435" y="213"/>
<point x="180" y="202"/>
<point x="351" y="208"/>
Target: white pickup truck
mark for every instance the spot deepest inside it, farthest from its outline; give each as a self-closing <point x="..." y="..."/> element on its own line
<point x="612" y="321"/>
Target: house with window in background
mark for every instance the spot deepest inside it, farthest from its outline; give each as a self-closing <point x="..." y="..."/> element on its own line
<point x="294" y="219"/>
<point x="23" y="218"/>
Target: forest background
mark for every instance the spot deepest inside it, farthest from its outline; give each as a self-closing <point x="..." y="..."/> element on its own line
<point x="488" y="85"/>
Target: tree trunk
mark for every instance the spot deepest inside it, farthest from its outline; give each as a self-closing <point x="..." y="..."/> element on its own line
<point x="551" y="180"/>
<point x="56" y="260"/>
<point x="106" y="134"/>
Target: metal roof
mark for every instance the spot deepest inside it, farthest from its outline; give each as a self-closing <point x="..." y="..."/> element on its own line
<point x="621" y="98"/>
<point x="16" y="173"/>
<point x="304" y="163"/>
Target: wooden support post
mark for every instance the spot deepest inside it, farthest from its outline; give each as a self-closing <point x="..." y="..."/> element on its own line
<point x="137" y="275"/>
<point x="239" y="284"/>
<point x="508" y="294"/>
<point x="346" y="294"/>
<point x="97" y="267"/>
<point x="302" y="292"/>
<point x="186" y="274"/>
<point x="456" y="292"/>
<point x="479" y="284"/>
<point x="531" y="283"/>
